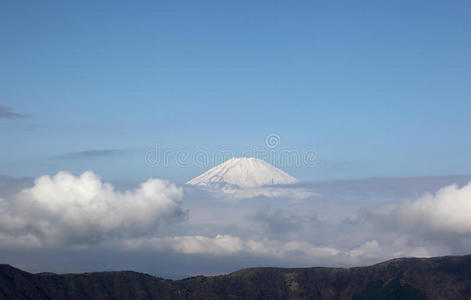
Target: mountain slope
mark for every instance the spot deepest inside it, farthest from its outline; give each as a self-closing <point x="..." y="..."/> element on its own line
<point x="408" y="278"/>
<point x="243" y="172"/>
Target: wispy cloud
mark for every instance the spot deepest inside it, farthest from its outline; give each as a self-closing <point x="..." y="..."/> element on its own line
<point x="92" y="154"/>
<point x="7" y="113"/>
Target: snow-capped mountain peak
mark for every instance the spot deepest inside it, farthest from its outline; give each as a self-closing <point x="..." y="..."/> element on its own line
<point x="243" y="172"/>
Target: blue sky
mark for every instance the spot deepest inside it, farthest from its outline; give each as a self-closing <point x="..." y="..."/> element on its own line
<point x="375" y="88"/>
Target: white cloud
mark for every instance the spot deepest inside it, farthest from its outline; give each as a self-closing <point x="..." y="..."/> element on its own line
<point x="68" y="209"/>
<point x="447" y="211"/>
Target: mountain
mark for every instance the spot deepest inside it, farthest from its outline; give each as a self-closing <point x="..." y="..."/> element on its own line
<point x="436" y="278"/>
<point x="243" y="172"/>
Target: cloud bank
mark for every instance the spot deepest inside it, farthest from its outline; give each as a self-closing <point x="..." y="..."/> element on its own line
<point x="344" y="223"/>
<point x="224" y="245"/>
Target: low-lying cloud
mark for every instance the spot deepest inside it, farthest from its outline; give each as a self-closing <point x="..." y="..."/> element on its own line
<point x="299" y="252"/>
<point x="233" y="192"/>
<point x="344" y="223"/>
<point x="228" y="245"/>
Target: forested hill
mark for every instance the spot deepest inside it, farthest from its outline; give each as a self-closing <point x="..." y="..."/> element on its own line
<point x="405" y="278"/>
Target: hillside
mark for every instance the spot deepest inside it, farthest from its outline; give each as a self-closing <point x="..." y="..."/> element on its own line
<point x="406" y="278"/>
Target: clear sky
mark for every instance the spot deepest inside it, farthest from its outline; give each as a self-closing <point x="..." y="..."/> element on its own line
<point x="374" y="88"/>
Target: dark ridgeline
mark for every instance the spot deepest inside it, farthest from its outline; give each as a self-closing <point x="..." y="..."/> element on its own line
<point x="406" y="278"/>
